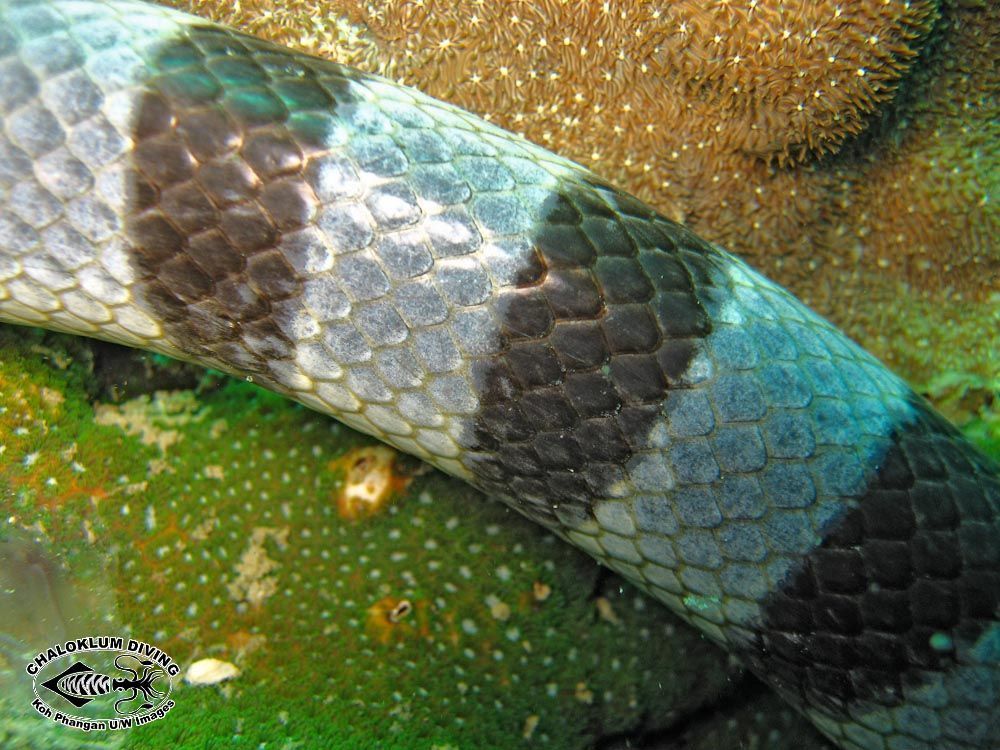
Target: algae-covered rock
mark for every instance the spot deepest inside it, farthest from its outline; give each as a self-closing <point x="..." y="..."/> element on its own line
<point x="208" y="522"/>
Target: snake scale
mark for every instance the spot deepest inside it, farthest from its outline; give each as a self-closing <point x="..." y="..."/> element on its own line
<point x="504" y="314"/>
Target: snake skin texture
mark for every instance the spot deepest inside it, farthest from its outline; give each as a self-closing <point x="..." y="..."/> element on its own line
<point x="507" y="316"/>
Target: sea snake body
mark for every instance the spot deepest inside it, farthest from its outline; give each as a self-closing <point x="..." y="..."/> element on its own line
<point x="481" y="303"/>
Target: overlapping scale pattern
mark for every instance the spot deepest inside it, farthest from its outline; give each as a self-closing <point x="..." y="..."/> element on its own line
<point x="483" y="304"/>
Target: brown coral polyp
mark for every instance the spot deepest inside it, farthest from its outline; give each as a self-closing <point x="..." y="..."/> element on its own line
<point x="794" y="78"/>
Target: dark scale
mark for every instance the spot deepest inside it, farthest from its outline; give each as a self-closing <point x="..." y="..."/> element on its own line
<point x="866" y="612"/>
<point x="223" y="135"/>
<point x="618" y="293"/>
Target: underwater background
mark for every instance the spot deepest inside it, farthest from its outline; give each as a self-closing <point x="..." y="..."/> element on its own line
<point x="148" y="498"/>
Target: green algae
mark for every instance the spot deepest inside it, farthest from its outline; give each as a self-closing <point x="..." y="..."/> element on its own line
<point x="214" y="516"/>
<point x="971" y="401"/>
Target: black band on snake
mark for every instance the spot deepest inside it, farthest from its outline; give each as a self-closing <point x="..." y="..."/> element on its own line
<point x="502" y="313"/>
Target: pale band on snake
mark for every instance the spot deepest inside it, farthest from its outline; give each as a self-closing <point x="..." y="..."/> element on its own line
<point x="512" y="319"/>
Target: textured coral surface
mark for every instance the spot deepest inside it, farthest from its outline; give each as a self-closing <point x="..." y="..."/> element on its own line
<point x="846" y="149"/>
